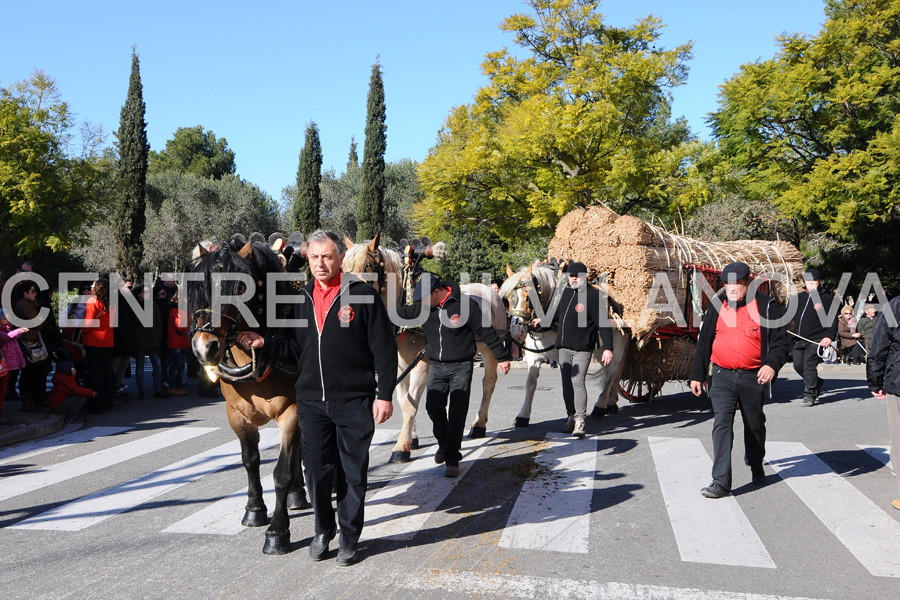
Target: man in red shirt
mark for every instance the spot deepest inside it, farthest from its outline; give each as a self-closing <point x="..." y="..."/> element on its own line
<point x="747" y="345"/>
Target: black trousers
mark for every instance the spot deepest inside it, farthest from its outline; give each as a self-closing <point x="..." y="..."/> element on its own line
<point x="806" y="364"/>
<point x="99" y="362"/>
<point x="33" y="382"/>
<point x="727" y="390"/>
<point x="449" y="382"/>
<point x="335" y="437"/>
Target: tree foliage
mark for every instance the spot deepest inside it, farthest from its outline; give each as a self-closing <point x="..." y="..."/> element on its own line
<point x="197" y="151"/>
<point x="817" y="127"/>
<point x="305" y="214"/>
<point x="128" y="217"/>
<point x="370" y="213"/>
<point x="582" y="118"/>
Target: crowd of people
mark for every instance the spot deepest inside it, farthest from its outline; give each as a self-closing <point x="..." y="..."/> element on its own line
<point x="91" y="363"/>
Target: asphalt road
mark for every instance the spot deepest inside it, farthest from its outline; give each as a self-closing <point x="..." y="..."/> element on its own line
<point x="120" y="513"/>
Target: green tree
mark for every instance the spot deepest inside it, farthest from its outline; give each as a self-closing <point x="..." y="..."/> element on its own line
<point x="370" y="215"/>
<point x="305" y="214"/>
<point x="353" y="158"/>
<point x="44" y="191"/>
<point x="128" y="218"/>
<point x="580" y="115"/>
<point x="195" y="150"/>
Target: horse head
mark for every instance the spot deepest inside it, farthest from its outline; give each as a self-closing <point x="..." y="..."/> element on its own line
<point x="522" y="291"/>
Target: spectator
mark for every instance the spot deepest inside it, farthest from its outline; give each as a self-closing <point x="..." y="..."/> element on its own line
<point x="98" y="343"/>
<point x="67" y="397"/>
<point x="33" y="377"/>
<point x="124" y="341"/>
<point x="10" y="351"/>
<point x="147" y="343"/>
<point x="866" y="326"/>
<point x="161" y="298"/>
<point x="178" y="344"/>
<point x="851" y="352"/>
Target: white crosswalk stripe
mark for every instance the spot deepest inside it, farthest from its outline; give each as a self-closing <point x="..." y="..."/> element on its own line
<point x="707" y="532"/>
<point x="34" y="448"/>
<point x="870" y="534"/>
<point x="553" y="509"/>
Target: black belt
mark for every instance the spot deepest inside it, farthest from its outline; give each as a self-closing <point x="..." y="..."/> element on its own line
<point x="756" y="370"/>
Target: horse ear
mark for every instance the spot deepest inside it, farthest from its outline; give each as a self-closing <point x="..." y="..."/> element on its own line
<point x="246" y="250"/>
<point x="348" y="242"/>
<point x="528" y="272"/>
<point x="375" y="241"/>
<point x="203" y="251"/>
<point x="509" y="271"/>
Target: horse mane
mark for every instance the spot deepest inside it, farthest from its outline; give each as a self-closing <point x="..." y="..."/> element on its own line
<point x="355" y="258"/>
<point x="262" y="260"/>
<point x="545" y="275"/>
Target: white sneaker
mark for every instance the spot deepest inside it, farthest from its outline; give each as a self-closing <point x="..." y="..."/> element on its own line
<point x="578" y="430"/>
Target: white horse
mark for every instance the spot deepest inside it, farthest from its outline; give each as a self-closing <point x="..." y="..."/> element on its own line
<point x="536" y="284"/>
<point x="385" y="267"/>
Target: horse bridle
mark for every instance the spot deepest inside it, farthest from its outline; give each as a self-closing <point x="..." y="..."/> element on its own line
<point x="525" y="313"/>
<point x="229" y="336"/>
<point x="375" y="264"/>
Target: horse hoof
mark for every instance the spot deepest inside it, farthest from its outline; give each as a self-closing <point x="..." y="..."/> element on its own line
<point x="298" y="501"/>
<point x="400" y="457"/>
<point x="277" y="543"/>
<point x="612" y="408"/>
<point x="414" y="444"/>
<point x="477" y="433"/>
<point x="599" y="412"/>
<point x="522" y="422"/>
<point x="255" y="518"/>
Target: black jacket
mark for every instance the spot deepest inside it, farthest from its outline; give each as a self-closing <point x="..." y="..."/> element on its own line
<point x="356" y="344"/>
<point x="581" y="338"/>
<point x="814" y="324"/>
<point x="449" y="338"/>
<point x="774" y="342"/>
<point x="883" y="362"/>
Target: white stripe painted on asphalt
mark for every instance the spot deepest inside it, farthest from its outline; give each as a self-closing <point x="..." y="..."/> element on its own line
<point x="870" y="534"/>
<point x="879" y="453"/>
<point x="93" y="509"/>
<point x="27" y="482"/>
<point x="524" y="586"/>
<point x="401" y="508"/>
<point x="713" y="531"/>
<point x="553" y="509"/>
<point x="36" y="447"/>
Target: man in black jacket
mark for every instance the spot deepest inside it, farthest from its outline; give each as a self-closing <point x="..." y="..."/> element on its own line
<point x="814" y="321"/>
<point x="452" y="323"/>
<point x="344" y="341"/>
<point x="581" y="317"/>
<point x="883" y="374"/>
<point x="747" y="348"/>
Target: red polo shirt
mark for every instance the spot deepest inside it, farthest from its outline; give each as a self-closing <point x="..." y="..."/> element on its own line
<point x="323" y="297"/>
<point x="737" y="343"/>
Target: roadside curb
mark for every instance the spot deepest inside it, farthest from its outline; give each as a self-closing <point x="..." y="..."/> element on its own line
<point x="15" y="433"/>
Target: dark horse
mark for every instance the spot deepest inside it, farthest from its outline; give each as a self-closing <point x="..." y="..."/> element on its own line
<point x="255" y="392"/>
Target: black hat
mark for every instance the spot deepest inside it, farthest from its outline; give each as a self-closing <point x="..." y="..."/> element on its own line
<point x="812" y="275"/>
<point x="735" y="271"/>
<point x="64" y="366"/>
<point x="427" y="284"/>
<point x="576" y="268"/>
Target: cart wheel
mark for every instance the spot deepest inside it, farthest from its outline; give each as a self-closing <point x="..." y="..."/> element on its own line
<point x="638" y="391"/>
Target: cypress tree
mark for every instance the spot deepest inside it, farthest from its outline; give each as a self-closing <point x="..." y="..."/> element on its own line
<point x="309" y="176"/>
<point x="370" y="213"/>
<point x="129" y="220"/>
<point x="353" y="159"/>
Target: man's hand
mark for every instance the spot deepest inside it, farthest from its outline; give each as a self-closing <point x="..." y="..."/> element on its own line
<point x="504" y="367"/>
<point x="382" y="411"/>
<point x="825" y="342"/>
<point x="879" y="394"/>
<point x="535" y="322"/>
<point x="606" y="358"/>
<point x="765" y="374"/>
<point x="250" y="339"/>
<point x="696" y="388"/>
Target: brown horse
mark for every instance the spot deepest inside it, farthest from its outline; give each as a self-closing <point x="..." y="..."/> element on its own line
<point x="255" y="392"/>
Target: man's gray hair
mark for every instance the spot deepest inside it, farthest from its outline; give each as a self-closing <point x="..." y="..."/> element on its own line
<point x="321" y="235"/>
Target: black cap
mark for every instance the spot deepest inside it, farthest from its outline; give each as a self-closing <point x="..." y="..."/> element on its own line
<point x="735" y="271"/>
<point x="427" y="284"/>
<point x="64" y="366"/>
<point x="812" y="275"/>
<point x="576" y="268"/>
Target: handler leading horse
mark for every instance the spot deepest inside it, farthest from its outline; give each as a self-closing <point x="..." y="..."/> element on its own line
<point x="534" y="286"/>
<point x="254" y="393"/>
<point x="385" y="266"/>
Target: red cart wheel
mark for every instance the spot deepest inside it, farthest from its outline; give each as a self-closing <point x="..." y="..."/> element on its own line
<point x="638" y="391"/>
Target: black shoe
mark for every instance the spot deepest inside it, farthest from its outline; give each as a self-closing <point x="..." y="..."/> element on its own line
<point x="599" y="412"/>
<point x="161" y="395"/>
<point x="346" y="557"/>
<point x="759" y="475"/>
<point x="439" y="457"/>
<point x="714" y="490"/>
<point x="319" y="546"/>
<point x="810" y="402"/>
<point x="451" y="471"/>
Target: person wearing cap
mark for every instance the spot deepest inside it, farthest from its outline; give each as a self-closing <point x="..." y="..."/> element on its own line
<point x="581" y="321"/>
<point x="866" y="325"/>
<point x="883" y="373"/>
<point x="814" y="326"/>
<point x="345" y="351"/>
<point x="453" y="321"/>
<point x="739" y="337"/>
<point x="67" y="397"/>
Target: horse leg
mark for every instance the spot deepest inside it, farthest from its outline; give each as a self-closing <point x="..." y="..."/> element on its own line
<point x="255" y="513"/>
<point x="524" y="417"/>
<point x="278" y="535"/>
<point x="488" y="383"/>
<point x="409" y="406"/>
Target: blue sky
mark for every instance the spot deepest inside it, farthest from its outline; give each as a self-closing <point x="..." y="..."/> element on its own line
<point x="257" y="72"/>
